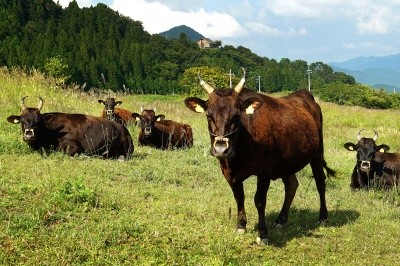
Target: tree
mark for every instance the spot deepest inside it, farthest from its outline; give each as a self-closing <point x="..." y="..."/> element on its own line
<point x="56" y="68"/>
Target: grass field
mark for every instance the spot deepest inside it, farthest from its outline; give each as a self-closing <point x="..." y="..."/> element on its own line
<point x="173" y="207"/>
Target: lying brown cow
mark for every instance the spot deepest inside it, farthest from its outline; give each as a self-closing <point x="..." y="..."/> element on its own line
<point x="254" y="134"/>
<point x="157" y="132"/>
<point x="374" y="166"/>
<point x="119" y="115"/>
<point x="73" y="133"/>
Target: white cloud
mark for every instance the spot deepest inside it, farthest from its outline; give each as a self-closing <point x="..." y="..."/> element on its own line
<point x="157" y="17"/>
<point x="304" y="9"/>
<point x="368" y="16"/>
<point x="262" y="29"/>
<point x="349" y="45"/>
<point x="374" y="21"/>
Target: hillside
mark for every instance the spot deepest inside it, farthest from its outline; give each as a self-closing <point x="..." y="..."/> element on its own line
<point x="175" y="32"/>
<point x="377" y="72"/>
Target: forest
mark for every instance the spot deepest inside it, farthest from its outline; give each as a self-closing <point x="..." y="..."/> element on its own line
<point x="78" y="46"/>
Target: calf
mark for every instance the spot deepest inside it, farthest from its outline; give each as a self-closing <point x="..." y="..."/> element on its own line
<point x="73" y="133"/>
<point x="374" y="165"/>
<point x="162" y="134"/>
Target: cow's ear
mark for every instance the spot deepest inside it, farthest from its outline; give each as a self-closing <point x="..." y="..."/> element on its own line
<point x="136" y="116"/>
<point x="118" y="102"/>
<point x="101" y="101"/>
<point x="250" y="105"/>
<point x="383" y="148"/>
<point x="350" y="146"/>
<point x="14" y="119"/>
<point x="196" y="105"/>
<point x="160" y="117"/>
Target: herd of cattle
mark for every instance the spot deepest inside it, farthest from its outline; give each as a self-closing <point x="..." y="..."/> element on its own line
<point x="250" y="133"/>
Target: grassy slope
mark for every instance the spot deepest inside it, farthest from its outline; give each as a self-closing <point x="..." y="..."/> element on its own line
<point x="172" y="207"/>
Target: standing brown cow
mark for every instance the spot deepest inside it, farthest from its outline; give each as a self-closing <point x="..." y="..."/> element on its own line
<point x="253" y="134"/>
<point x="73" y="133"/>
<point x="162" y="134"/>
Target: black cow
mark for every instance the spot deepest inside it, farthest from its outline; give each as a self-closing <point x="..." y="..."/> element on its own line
<point x="119" y="115"/>
<point x="374" y="165"/>
<point x="73" y="133"/>
<point x="254" y="134"/>
<point x="163" y="134"/>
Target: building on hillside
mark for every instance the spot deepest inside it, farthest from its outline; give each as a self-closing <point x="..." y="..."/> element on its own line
<point x="207" y="43"/>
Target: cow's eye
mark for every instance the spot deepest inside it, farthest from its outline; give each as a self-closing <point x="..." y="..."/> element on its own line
<point x="209" y="117"/>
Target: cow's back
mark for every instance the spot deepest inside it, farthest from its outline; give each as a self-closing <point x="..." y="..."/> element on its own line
<point x="125" y="117"/>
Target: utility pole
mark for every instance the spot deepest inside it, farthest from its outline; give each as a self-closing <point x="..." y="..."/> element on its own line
<point x="309" y="71"/>
<point x="258" y="78"/>
<point x="230" y="77"/>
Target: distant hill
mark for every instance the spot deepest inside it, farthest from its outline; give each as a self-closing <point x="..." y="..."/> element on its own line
<point x="378" y="72"/>
<point x="175" y="32"/>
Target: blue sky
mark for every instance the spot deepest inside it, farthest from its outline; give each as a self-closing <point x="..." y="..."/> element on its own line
<point x="310" y="30"/>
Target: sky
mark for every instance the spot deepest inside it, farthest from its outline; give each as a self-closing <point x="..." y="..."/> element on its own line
<point x="310" y="30"/>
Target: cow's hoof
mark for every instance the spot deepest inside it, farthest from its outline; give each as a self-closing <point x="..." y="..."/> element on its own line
<point x="278" y="226"/>
<point x="261" y="241"/>
<point x="240" y="231"/>
<point x="323" y="222"/>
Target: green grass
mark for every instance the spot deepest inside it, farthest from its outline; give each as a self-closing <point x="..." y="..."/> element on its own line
<point x="173" y="207"/>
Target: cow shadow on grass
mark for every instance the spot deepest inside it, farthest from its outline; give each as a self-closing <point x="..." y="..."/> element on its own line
<point x="304" y="223"/>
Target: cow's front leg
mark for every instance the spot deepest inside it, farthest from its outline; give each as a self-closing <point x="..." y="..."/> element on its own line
<point x="363" y="179"/>
<point x="238" y="193"/>
<point x="260" y="200"/>
<point x="70" y="148"/>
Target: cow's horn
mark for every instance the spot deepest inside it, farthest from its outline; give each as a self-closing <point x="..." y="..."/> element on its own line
<point x="23" y="107"/>
<point x="358" y="134"/>
<point x="40" y="105"/>
<point x="375" y="135"/>
<point x="205" y="85"/>
<point x="141" y="108"/>
<point x="240" y="85"/>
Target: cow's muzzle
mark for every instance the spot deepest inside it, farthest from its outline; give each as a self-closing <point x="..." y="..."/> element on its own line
<point x="147" y="131"/>
<point x="365" y="166"/>
<point x="110" y="115"/>
<point x="29" y="134"/>
<point x="220" y="145"/>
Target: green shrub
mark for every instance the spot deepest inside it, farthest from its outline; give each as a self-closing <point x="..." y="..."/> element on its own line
<point x="359" y="95"/>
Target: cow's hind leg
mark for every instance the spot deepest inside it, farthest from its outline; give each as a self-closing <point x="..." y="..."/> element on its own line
<point x="320" y="181"/>
<point x="260" y="200"/>
<point x="291" y="184"/>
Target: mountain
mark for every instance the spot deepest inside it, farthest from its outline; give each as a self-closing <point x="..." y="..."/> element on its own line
<point x="175" y="32"/>
<point x="378" y="72"/>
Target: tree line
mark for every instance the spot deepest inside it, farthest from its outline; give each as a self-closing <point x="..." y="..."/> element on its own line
<point x="76" y="45"/>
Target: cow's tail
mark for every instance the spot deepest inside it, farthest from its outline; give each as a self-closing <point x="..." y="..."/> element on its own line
<point x="329" y="171"/>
